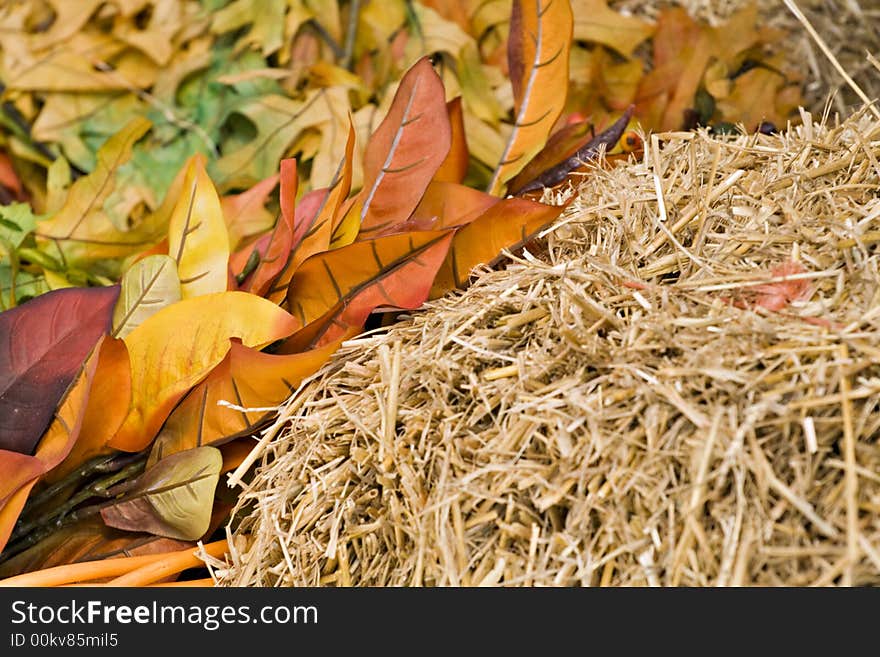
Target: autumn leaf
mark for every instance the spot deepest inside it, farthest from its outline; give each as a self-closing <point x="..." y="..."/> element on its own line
<point x="274" y="254"/>
<point x="406" y="150"/>
<point x="561" y="145"/>
<point x="245" y="213"/>
<point x="106" y="408"/>
<point x="43" y="344"/>
<point x="173" y="498"/>
<point x="447" y="205"/>
<point x="250" y="380"/>
<point x="81" y="232"/>
<point x="538" y="53"/>
<point x="315" y="219"/>
<point x="338" y="289"/>
<point x="581" y="157"/>
<point x="86" y="540"/>
<point x="197" y="237"/>
<point x="178" y="346"/>
<point x="596" y="23"/>
<point x="455" y="166"/>
<point x="505" y="225"/>
<point x="19" y="472"/>
<point x="148" y="286"/>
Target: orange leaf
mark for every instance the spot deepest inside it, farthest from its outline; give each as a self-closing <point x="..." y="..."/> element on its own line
<point x="197" y="237"/>
<point x="339" y="289"/>
<point x="538" y="53"/>
<point x="107" y="407"/>
<point x="249" y="379"/>
<point x="178" y="346"/>
<point x="455" y="166"/>
<point x="273" y="256"/>
<point x="505" y="225"/>
<point x="8" y="177"/>
<point x="448" y="204"/>
<point x="321" y="211"/>
<point x="562" y="144"/>
<point x="406" y="150"/>
<point x="245" y="214"/>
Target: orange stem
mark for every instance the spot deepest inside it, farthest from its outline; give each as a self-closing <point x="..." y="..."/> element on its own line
<point x="172" y="564"/>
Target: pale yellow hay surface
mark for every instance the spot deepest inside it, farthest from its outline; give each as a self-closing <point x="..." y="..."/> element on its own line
<point x="610" y="406"/>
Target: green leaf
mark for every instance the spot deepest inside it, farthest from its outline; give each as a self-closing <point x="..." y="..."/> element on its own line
<point x="16" y="221"/>
<point x="173" y="498"/>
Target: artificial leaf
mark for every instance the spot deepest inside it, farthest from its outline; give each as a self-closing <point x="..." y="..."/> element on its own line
<point x="538" y="54"/>
<point x="561" y="145"/>
<point x="251" y="380"/>
<point x="406" y="150"/>
<point x="245" y="213"/>
<point x="315" y="219"/>
<point x="339" y="289"/>
<point x="179" y="345"/>
<point x="19" y="472"/>
<point x="107" y="406"/>
<point x="43" y="344"/>
<point x="81" y="231"/>
<point x="345" y="231"/>
<point x="197" y="237"/>
<point x="582" y="156"/>
<point x="448" y="204"/>
<point x="274" y="254"/>
<point x="172" y="499"/>
<point x="86" y="540"/>
<point x="505" y="225"/>
<point x="454" y="167"/>
<point x="148" y="286"/>
<point x="11" y="507"/>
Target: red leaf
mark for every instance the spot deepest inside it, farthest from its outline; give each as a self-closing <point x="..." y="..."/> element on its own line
<point x="776" y="296"/>
<point x="277" y="247"/>
<point x="43" y="344"/>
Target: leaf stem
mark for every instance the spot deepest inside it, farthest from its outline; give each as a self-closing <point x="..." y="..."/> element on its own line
<point x="30" y="532"/>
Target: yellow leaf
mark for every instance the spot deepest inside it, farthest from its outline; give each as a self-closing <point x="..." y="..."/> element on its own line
<point x="178" y="346"/>
<point x="81" y="231"/>
<point x="596" y="23"/>
<point x="197" y="237"/>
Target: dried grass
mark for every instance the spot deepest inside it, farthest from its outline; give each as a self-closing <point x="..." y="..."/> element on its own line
<point x="611" y="407"/>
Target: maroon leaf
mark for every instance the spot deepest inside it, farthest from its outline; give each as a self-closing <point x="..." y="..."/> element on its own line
<point x="43" y="344"/>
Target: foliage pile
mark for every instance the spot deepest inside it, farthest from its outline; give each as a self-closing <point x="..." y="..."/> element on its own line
<point x="173" y="302"/>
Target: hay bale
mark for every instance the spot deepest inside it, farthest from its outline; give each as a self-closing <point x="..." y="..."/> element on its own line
<point x="618" y="409"/>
